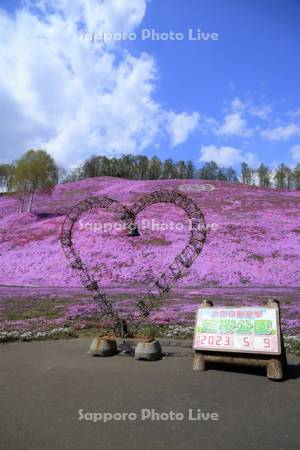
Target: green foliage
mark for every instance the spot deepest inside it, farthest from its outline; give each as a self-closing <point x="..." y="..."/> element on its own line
<point x="247" y="173"/>
<point x="283" y="177"/>
<point x="169" y="170"/>
<point x="264" y="175"/>
<point x="143" y="168"/>
<point x="211" y="171"/>
<point x="35" y="171"/>
<point x="6" y="175"/>
<point x="297" y="176"/>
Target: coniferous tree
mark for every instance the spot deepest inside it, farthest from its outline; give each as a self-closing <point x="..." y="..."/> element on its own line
<point x="209" y="171"/>
<point x="231" y="175"/>
<point x="169" y="170"/>
<point x="297" y="176"/>
<point x="246" y="173"/>
<point x="155" y="168"/>
<point x="190" y="169"/>
<point x="263" y="173"/>
<point x="181" y="169"/>
<point x="280" y="176"/>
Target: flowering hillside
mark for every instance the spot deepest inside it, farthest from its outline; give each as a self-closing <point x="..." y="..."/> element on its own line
<point x="254" y="236"/>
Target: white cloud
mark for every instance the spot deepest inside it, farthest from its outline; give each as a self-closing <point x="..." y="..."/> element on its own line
<point x="262" y="112"/>
<point x="236" y="119"/>
<point x="226" y="156"/>
<point x="237" y="105"/>
<point x="108" y="16"/>
<point x="295" y="113"/>
<point x="180" y="125"/>
<point x="234" y="122"/>
<point x="74" y="97"/>
<point x="248" y="107"/>
<point x="295" y="152"/>
<point x="281" y="133"/>
<point x="234" y="125"/>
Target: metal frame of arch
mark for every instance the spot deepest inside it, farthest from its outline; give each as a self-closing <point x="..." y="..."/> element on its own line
<point x="176" y="270"/>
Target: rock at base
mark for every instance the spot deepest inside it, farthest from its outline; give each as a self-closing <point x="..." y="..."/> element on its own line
<point x="103" y="347"/>
<point x="148" y="351"/>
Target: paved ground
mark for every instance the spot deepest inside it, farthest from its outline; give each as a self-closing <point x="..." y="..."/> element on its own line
<point x="43" y="385"/>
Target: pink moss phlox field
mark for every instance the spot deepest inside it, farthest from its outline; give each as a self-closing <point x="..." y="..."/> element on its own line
<point x="255" y="239"/>
<point x="251" y="254"/>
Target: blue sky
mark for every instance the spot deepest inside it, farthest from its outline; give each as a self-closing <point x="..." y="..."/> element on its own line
<point x="233" y="99"/>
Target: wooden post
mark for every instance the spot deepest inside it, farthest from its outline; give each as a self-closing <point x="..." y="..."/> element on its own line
<point x="199" y="360"/>
<point x="277" y="366"/>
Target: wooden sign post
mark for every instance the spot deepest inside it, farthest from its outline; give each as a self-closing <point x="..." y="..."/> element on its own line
<point x="240" y="335"/>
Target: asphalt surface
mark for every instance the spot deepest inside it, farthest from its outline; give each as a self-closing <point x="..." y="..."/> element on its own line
<point x="45" y="385"/>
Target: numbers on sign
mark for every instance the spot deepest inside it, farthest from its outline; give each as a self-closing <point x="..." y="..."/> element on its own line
<point x="246" y="341"/>
<point x="267" y="342"/>
<point x="209" y="340"/>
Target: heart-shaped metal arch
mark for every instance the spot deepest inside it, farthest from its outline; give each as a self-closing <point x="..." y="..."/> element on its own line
<point x="166" y="280"/>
